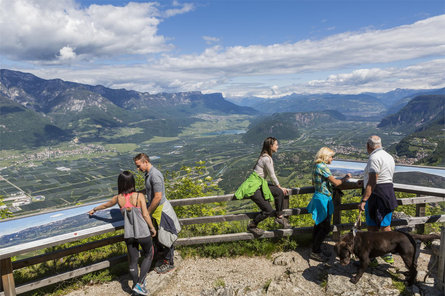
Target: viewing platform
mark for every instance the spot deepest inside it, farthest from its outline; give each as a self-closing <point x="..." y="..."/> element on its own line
<point x="112" y="222"/>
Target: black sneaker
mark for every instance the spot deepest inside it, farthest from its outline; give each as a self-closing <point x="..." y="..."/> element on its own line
<point x="318" y="257"/>
<point x="257" y="232"/>
<point x="283" y="222"/>
<point x="164" y="268"/>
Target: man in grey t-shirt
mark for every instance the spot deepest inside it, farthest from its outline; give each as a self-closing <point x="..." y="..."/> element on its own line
<point x="156" y="204"/>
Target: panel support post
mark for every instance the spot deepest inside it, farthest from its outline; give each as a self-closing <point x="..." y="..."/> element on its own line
<point x="7" y="277"/>
<point x="420" y="212"/>
<point x="441" y="267"/>
<point x="336" y="199"/>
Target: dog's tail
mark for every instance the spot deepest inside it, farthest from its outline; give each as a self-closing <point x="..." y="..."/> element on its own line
<point x="425" y="238"/>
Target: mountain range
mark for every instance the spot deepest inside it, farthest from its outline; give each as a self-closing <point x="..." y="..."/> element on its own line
<point x="287" y="125"/>
<point x="423" y="120"/>
<point x="36" y="111"/>
<point x="364" y="106"/>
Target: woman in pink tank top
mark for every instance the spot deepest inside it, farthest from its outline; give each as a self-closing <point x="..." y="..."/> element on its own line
<point x="138" y="228"/>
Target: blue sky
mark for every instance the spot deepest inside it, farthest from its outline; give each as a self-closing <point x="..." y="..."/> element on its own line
<point x="237" y="47"/>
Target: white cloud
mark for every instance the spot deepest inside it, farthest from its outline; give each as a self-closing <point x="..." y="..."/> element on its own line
<point x="210" y="40"/>
<point x="424" y="75"/>
<point x="37" y="30"/>
<point x="421" y="39"/>
<point x="59" y="31"/>
<point x="66" y="53"/>
<point x="183" y="8"/>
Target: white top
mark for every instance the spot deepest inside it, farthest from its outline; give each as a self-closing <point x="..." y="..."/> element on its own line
<point x="381" y="163"/>
<point x="264" y="168"/>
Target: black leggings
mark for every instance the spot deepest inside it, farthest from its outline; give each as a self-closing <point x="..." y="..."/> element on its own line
<point x="264" y="205"/>
<point x="133" y="257"/>
<point x="164" y="254"/>
<point x="319" y="234"/>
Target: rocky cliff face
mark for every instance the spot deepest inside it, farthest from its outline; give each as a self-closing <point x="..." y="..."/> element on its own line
<point x="419" y="111"/>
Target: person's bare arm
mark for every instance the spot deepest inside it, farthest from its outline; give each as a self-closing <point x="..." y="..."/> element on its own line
<point x="337" y="182"/>
<point x="103" y="206"/>
<point x="372" y="181"/>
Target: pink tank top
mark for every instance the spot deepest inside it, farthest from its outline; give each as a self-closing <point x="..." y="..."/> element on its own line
<point x="128" y="204"/>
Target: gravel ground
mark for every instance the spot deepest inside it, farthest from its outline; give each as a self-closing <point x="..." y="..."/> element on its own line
<point x="287" y="273"/>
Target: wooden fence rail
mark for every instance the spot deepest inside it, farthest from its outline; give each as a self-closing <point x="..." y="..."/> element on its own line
<point x="429" y="195"/>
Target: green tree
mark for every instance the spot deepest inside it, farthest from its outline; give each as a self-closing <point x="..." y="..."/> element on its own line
<point x="190" y="182"/>
<point x="4" y="212"/>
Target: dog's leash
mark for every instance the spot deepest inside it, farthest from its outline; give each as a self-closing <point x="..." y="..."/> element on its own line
<point x="357" y="224"/>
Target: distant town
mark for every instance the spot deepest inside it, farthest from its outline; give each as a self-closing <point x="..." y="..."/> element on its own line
<point x="50" y="153"/>
<point x="17" y="199"/>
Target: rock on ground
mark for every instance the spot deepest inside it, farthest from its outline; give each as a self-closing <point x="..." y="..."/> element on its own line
<point x="285" y="273"/>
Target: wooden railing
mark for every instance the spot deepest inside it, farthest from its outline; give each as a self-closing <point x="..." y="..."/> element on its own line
<point x="425" y="195"/>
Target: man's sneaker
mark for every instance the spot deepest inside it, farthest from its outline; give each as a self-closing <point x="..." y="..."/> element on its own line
<point x="373" y="263"/>
<point x="283" y="222"/>
<point x="139" y="289"/>
<point x="257" y="232"/>
<point x="388" y="258"/>
<point x="318" y="257"/>
<point x="164" y="268"/>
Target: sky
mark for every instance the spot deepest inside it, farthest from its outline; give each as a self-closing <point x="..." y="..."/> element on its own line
<point x="241" y="48"/>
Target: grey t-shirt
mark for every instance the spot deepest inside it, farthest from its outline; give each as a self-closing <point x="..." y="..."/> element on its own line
<point x="154" y="182"/>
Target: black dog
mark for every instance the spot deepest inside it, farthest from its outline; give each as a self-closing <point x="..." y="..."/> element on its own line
<point x="366" y="245"/>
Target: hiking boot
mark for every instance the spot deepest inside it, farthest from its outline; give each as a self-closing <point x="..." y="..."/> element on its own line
<point x="318" y="257"/>
<point x="164" y="268"/>
<point x="388" y="258"/>
<point x="283" y="222"/>
<point x="257" y="232"/>
<point x="373" y="263"/>
<point x="139" y="289"/>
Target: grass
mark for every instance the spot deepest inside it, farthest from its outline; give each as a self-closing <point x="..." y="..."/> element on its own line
<point x="399" y="284"/>
<point x="215" y="124"/>
<point x="219" y="283"/>
<point x="323" y="277"/>
<point x="157" y="139"/>
<point x="267" y="284"/>
<point x="122" y="148"/>
<point x="251" y="248"/>
<point x="124" y="132"/>
<point x="97" y="277"/>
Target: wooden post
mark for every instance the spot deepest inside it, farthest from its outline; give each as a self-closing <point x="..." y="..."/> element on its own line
<point x="420" y="212"/>
<point x="7" y="277"/>
<point x="441" y="268"/>
<point x="286" y="203"/>
<point x="336" y="199"/>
